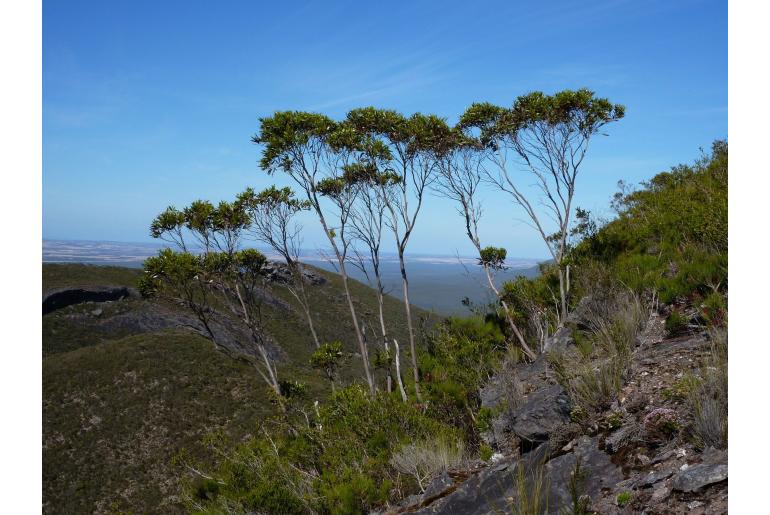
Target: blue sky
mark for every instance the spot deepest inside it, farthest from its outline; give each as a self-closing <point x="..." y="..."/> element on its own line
<point x="147" y="104"/>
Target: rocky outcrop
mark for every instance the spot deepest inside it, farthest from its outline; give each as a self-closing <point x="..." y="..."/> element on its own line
<point x="541" y="414"/>
<point x="623" y="467"/>
<point x="712" y="470"/>
<point x="497" y="488"/>
<point x="278" y="272"/>
<point x="63" y="297"/>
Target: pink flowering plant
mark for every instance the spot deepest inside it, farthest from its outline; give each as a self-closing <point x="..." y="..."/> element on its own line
<point x="661" y="423"/>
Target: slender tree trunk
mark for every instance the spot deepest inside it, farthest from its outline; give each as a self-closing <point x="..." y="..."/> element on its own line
<point x="312" y="328"/>
<point x="301" y="296"/>
<point x="353" y="316"/>
<point x="399" y="381"/>
<point x="269" y="366"/>
<point x="531" y="355"/>
<point x="384" y="331"/>
<point x="408" y="310"/>
<point x="359" y="336"/>
<point x="562" y="294"/>
<point x="389" y="377"/>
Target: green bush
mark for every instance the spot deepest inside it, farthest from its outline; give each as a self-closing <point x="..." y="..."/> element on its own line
<point x="676" y="323"/>
<point x="458" y="358"/>
<point x="273" y="497"/>
<point x="624" y="498"/>
<point x="714" y="309"/>
<point x="670" y="236"/>
<point x="337" y="462"/>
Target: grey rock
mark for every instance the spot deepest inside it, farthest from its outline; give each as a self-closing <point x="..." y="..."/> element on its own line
<point x="653" y="477"/>
<point x="494" y="489"/>
<point x="699" y="476"/>
<point x="62" y="297"/>
<point x="437" y="486"/>
<point x="560" y="340"/>
<point x="620" y="438"/>
<point x="97" y="312"/>
<point x="542" y="413"/>
<point x="660" y="493"/>
<point x="663" y="456"/>
<point x="278" y="272"/>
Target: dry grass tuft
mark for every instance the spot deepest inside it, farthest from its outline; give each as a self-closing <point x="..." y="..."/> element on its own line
<point x="424" y="461"/>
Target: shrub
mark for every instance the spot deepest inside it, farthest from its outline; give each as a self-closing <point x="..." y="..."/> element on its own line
<point x="614" y="420"/>
<point x="427" y="459"/>
<point x="670" y="236"/>
<point x="485" y="452"/>
<point x="623" y="498"/>
<point x="661" y="423"/>
<point x="273" y="497"/>
<point x="594" y="385"/>
<point x="708" y="400"/>
<point x="531" y="486"/>
<point x="676" y="323"/>
<point x="714" y="309"/>
<point x="459" y="356"/>
<point x="335" y="462"/>
<point x="328" y="358"/>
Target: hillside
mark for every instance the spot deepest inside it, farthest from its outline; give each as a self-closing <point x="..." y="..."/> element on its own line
<point x="622" y="410"/>
<point x="126" y="386"/>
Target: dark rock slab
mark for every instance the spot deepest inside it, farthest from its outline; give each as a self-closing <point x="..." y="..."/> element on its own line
<point x="597" y="469"/>
<point x="495" y="488"/>
<point x="63" y="297"/>
<point x="712" y="470"/>
<point x="560" y="340"/>
<point x="620" y="438"/>
<point x="542" y="413"/>
<point x="653" y="477"/>
<point x="278" y="272"/>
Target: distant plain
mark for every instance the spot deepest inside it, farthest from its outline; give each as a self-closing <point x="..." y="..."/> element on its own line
<point x="436" y="283"/>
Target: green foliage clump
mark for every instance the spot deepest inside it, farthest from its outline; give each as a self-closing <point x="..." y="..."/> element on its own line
<point x="714" y="309"/>
<point x="670" y="236"/>
<point x="493" y="257"/>
<point x="676" y="323"/>
<point x="682" y="388"/>
<point x="328" y="358"/>
<point x="485" y="452"/>
<point x="624" y="498"/>
<point x="336" y="461"/>
<point x="458" y="358"/>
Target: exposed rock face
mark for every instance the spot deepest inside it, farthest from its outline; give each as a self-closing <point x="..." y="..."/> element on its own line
<point x="541" y="414"/>
<point x="279" y="272"/>
<point x="532" y="430"/>
<point x="63" y="297"/>
<point x="562" y="340"/>
<point x="694" y="478"/>
<point x="496" y="488"/>
<point x="597" y="470"/>
<point x="620" y="438"/>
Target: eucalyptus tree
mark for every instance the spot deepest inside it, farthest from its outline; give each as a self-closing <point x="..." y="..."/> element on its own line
<point x="412" y="146"/>
<point x="314" y="151"/>
<point x="216" y="280"/>
<point x="460" y="177"/>
<point x="368" y="216"/>
<point x="273" y="223"/>
<point x="547" y="136"/>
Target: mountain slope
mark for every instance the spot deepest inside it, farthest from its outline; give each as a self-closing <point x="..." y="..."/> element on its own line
<point x="126" y="386"/>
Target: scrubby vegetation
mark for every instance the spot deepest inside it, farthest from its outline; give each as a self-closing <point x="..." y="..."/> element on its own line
<point x="342" y="429"/>
<point x="396" y="447"/>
